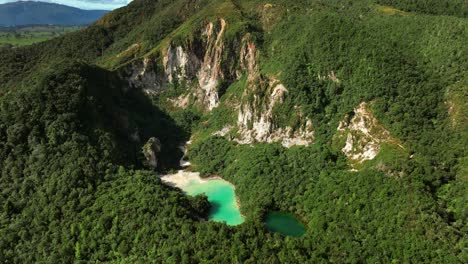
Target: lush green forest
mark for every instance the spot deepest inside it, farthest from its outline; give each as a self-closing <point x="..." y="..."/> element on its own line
<point x="73" y="182"/>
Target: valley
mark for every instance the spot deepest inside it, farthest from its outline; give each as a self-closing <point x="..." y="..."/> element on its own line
<point x="316" y="132"/>
<point x="27" y="35"/>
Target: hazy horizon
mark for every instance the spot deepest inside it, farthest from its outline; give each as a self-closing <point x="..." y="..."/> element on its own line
<point x="84" y="4"/>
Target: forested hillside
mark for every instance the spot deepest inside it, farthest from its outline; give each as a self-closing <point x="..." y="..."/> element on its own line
<point x="350" y="115"/>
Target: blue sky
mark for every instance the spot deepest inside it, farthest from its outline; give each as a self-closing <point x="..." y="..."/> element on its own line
<point x="85" y="4"/>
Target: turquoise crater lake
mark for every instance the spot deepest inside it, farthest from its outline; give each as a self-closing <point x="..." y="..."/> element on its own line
<point x="285" y="224"/>
<point x="220" y="193"/>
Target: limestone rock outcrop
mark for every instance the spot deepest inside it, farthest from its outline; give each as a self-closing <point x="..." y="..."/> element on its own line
<point x="151" y="150"/>
<point x="197" y="64"/>
<point x="202" y="64"/>
<point x="256" y="118"/>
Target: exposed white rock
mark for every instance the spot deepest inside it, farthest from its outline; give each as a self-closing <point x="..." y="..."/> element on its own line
<point x="256" y="122"/>
<point x="364" y="135"/>
<point x="210" y="72"/>
<point x="304" y="136"/>
<point x="224" y="131"/>
<point x="247" y="59"/>
<point x="256" y="119"/>
<point x="183" y="65"/>
<point x="180" y="65"/>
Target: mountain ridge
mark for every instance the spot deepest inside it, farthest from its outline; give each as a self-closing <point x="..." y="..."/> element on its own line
<point x="345" y="114"/>
<point x="42" y="13"/>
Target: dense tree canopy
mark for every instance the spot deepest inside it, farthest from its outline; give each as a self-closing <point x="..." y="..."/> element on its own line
<point x="74" y="188"/>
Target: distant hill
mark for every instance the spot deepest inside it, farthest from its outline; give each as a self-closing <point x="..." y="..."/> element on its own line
<point x="34" y="13"/>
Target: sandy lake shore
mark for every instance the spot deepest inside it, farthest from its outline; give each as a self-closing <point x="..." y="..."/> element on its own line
<point x="183" y="178"/>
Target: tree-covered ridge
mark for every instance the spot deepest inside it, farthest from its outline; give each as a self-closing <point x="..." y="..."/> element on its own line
<point x="73" y="185"/>
<point x="351" y="215"/>
<point x="62" y="141"/>
<point x="112" y="34"/>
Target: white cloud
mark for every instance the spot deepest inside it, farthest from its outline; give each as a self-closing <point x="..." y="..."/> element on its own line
<point x="86" y="4"/>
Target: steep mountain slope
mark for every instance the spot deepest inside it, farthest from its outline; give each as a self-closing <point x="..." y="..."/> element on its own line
<point x="41" y="13"/>
<point x="347" y="114"/>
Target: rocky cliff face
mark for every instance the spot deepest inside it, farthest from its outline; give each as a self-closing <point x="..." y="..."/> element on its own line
<point x="151" y="150"/>
<point x="363" y="133"/>
<point x="202" y="64"/>
<point x="210" y="73"/>
<point x="179" y="65"/>
<point x="143" y="74"/>
<point x="256" y="118"/>
<point x="196" y="64"/>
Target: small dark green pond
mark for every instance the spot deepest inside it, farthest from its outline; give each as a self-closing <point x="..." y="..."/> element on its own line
<point x="285" y="224"/>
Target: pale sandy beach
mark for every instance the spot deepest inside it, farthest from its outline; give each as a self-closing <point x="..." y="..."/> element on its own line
<point x="183" y="178"/>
